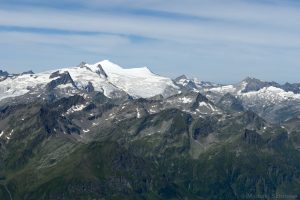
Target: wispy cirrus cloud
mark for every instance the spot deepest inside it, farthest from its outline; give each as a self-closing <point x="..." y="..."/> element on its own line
<point x="241" y="36"/>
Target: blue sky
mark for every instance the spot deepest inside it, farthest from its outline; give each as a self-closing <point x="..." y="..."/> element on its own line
<point x="215" y="40"/>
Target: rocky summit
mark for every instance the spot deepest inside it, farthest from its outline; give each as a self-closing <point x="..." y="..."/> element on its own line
<point x="100" y="131"/>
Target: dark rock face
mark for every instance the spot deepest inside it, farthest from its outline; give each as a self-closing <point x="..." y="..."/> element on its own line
<point x="230" y="103"/>
<point x="157" y="98"/>
<point x="252" y="120"/>
<point x="4" y="73"/>
<point x="101" y="71"/>
<point x="188" y="84"/>
<point x="251" y="137"/>
<point x="254" y="84"/>
<point x="199" y="98"/>
<point x="55" y="74"/>
<point x="7" y="110"/>
<point x="51" y="118"/>
<point x="203" y="127"/>
<point x="291" y="87"/>
<point x="180" y="77"/>
<point x="28" y="72"/>
<point x="278" y="140"/>
<point x="63" y="79"/>
<point x="100" y="98"/>
<point x="90" y="88"/>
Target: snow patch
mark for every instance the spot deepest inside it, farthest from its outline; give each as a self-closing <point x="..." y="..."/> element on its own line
<point x="186" y="100"/>
<point x="95" y="124"/>
<point x="75" y="108"/>
<point x="138" y="114"/>
<point x="151" y="111"/>
<point x="202" y="103"/>
<point x="21" y="84"/>
<point x="224" y="89"/>
<point x="271" y="94"/>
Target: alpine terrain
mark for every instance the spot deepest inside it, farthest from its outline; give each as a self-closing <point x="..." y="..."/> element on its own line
<point x="100" y="131"/>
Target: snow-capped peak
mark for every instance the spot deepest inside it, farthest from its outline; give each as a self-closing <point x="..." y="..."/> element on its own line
<point x="112" y="68"/>
<point x="103" y="76"/>
<point x="105" y="63"/>
<point x="137" y="82"/>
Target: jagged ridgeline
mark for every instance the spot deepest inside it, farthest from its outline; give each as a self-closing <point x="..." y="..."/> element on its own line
<point x="105" y="132"/>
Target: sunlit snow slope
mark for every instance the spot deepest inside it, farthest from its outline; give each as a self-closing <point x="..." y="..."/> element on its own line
<point x="103" y="76"/>
<point x="137" y="82"/>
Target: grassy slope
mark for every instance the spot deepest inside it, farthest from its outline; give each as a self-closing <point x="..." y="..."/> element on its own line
<point x="129" y="164"/>
<point x="111" y="170"/>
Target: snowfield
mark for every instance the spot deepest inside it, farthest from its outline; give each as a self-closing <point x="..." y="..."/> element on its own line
<point x="137" y="82"/>
<point x="104" y="76"/>
<point x="115" y="81"/>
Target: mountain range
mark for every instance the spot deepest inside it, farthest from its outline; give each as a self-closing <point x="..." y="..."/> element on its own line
<point x="100" y="131"/>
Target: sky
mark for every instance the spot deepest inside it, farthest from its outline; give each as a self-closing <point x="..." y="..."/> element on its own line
<point x="222" y="41"/>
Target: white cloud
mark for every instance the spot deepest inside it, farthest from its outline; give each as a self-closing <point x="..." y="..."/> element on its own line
<point x="236" y="36"/>
<point x="153" y="27"/>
